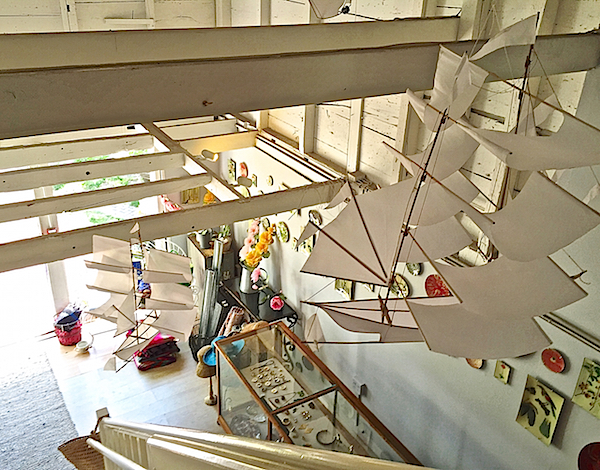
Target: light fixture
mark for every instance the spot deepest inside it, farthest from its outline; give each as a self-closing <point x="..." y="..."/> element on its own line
<point x="208" y="155"/>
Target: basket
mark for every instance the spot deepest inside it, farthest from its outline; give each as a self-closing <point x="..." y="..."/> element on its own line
<point x="69" y="333"/>
<point x="80" y="454"/>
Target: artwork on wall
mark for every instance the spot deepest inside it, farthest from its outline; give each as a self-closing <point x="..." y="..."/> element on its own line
<point x="231" y="170"/>
<point x="540" y="409"/>
<point x="400" y="286"/>
<point x="502" y="371"/>
<point x="307" y="245"/>
<point x="345" y="288"/>
<point x="587" y="391"/>
<point x="283" y="232"/>
<point x="254" y="179"/>
<point x="553" y="360"/>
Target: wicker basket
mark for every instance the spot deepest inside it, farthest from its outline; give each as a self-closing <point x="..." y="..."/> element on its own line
<point x="81" y="455"/>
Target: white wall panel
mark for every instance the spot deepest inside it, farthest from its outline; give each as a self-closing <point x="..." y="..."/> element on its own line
<point x="245" y="13"/>
<point x="30" y="8"/>
<point x="333" y="126"/>
<point x="30" y="24"/>
<point x="287" y="121"/>
<point x="184" y="13"/>
<point x="289" y="12"/>
<point x="91" y="15"/>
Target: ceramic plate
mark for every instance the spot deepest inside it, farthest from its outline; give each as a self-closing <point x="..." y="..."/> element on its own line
<point x="400" y="287"/>
<point x="553" y="360"/>
<point x="589" y="457"/>
<point x="315" y="217"/>
<point x="435" y="287"/>
<point x="414" y="268"/>
<point x="283" y="233"/>
<point x="265" y="223"/>
<point x="243" y="170"/>
<point x="475" y="363"/>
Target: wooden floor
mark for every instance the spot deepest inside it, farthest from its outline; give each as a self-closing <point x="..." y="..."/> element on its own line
<point x="171" y="395"/>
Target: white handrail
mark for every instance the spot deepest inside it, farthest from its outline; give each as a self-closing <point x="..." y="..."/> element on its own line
<point x="114" y="457"/>
<point x="245" y="452"/>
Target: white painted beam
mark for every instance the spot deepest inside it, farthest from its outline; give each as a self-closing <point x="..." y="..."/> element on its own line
<point x="39" y="154"/>
<point x="68" y="11"/>
<point x="22" y="52"/>
<point x="200" y="129"/>
<point x="193" y="165"/>
<point x="19" y="180"/>
<point x="45" y="101"/>
<point x="129" y="22"/>
<point x="99" y="198"/>
<point x="355" y="134"/>
<point x="59" y="246"/>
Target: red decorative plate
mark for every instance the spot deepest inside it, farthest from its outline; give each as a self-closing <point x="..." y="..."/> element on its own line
<point x="435" y="287"/>
<point x="553" y="360"/>
<point x="589" y="457"/>
<point x="243" y="170"/>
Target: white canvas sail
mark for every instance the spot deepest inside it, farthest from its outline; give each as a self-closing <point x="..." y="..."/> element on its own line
<point x="116" y="302"/>
<point x="362" y="241"/>
<point x="136" y="342"/>
<point x="574" y="145"/>
<point x="521" y="33"/>
<point x="511" y="289"/>
<point x="170" y="297"/>
<point x="456" y="84"/>
<point x="107" y="281"/>
<point x="456" y="331"/>
<point x="163" y="267"/>
<point x="111" y="251"/>
<point x="452" y="150"/>
<point x="176" y="323"/>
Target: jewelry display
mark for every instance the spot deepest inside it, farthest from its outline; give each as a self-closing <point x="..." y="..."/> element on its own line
<point x="326" y="437"/>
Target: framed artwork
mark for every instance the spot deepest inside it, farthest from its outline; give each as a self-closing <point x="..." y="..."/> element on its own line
<point x="540" y="409"/>
<point x="231" y="170"/>
<point x="307" y="245"/>
<point x="345" y="288"/>
<point x="502" y="371"/>
<point x="587" y="391"/>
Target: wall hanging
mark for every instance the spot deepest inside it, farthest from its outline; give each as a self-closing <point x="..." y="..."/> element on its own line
<point x="540" y="409"/>
<point x="502" y="371"/>
<point x="587" y="391"/>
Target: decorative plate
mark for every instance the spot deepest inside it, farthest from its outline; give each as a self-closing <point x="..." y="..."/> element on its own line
<point x="553" y="360"/>
<point x="315" y="217"/>
<point x="589" y="457"/>
<point x="435" y="287"/>
<point x="244" y="191"/>
<point x="244" y="170"/>
<point x="269" y="180"/>
<point x="475" y="363"/>
<point x="254" y="179"/>
<point x="265" y="223"/>
<point x="283" y="233"/>
<point x="414" y="268"/>
<point x="400" y="286"/>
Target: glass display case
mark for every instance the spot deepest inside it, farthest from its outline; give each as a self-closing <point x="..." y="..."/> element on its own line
<point x="271" y="386"/>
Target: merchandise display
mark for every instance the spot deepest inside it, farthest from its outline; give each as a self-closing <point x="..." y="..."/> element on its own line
<point x="275" y="388"/>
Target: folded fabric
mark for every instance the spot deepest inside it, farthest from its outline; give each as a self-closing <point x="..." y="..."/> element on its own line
<point x="157" y="362"/>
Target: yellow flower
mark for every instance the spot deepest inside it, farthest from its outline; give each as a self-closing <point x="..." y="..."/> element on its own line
<point x="209" y="198"/>
<point x="261" y="247"/>
<point x="266" y="237"/>
<point x="253" y="258"/>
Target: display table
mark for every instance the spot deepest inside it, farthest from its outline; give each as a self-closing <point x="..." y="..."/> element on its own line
<point x="271" y="386"/>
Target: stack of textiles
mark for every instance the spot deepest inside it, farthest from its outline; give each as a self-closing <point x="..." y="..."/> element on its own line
<point x="161" y="351"/>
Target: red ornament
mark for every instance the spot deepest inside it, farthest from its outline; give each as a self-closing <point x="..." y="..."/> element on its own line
<point x="553" y="360"/>
<point x="435" y="287"/>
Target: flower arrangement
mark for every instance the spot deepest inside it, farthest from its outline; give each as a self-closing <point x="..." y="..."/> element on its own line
<point x="256" y="247"/>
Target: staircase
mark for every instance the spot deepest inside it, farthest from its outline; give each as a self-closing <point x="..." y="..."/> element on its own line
<point x="135" y="446"/>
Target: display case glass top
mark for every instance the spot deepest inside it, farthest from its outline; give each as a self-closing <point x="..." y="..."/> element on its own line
<point x="271" y="386"/>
